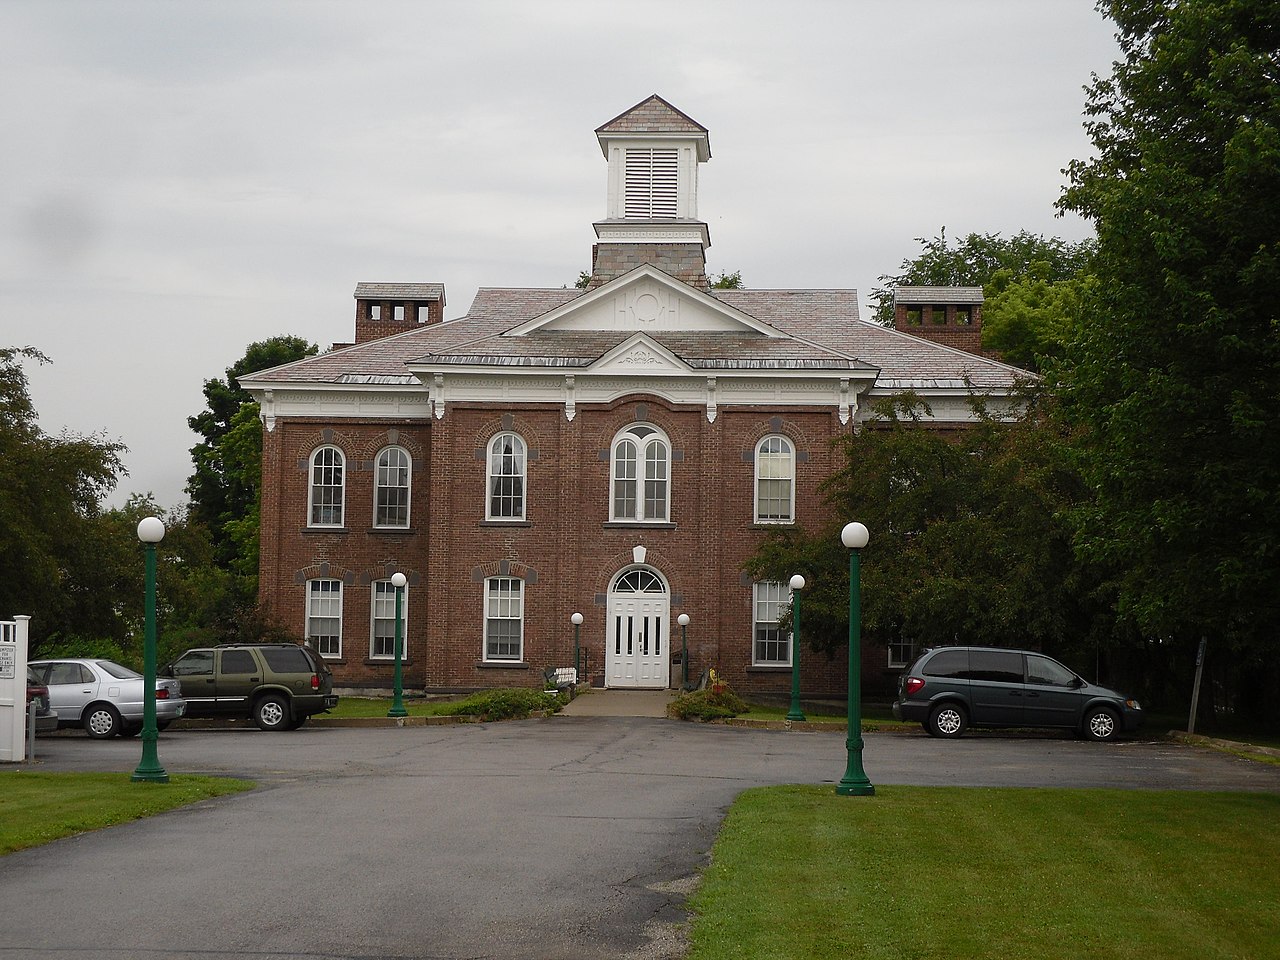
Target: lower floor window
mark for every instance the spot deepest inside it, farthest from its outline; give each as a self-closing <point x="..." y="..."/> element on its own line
<point x="772" y="647"/>
<point x="382" y="643"/>
<point x="901" y="653"/>
<point x="324" y="617"/>
<point x="504" y="618"/>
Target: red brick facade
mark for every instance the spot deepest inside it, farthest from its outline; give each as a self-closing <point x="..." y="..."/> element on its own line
<point x="566" y="550"/>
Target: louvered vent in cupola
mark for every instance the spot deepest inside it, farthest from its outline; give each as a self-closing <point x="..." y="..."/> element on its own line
<point x="651" y="183"/>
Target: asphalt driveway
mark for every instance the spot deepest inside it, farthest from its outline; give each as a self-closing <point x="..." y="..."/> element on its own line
<point x="559" y="838"/>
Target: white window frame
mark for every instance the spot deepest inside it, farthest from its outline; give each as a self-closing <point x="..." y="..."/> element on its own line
<point x="313" y="467"/>
<point x="896" y="660"/>
<point x="381" y="473"/>
<point x="771" y="468"/>
<point x="519" y="460"/>
<point x="318" y="609"/>
<point x="769" y="598"/>
<point x="382" y="607"/>
<point x="503" y="603"/>
<point x="648" y="466"/>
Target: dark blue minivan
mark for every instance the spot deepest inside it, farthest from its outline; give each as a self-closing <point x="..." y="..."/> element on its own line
<point x="948" y="689"/>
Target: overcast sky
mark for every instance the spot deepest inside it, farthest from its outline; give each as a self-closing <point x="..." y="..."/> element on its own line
<point x="180" y="179"/>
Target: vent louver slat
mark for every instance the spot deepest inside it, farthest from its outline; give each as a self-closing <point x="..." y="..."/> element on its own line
<point x="651" y="181"/>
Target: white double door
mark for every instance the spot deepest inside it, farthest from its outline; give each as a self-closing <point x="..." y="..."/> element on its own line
<point x="637" y="645"/>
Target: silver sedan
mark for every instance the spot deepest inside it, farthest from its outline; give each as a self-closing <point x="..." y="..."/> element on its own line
<point x="104" y="697"/>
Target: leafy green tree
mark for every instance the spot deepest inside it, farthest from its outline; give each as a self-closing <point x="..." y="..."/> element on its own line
<point x="975" y="262"/>
<point x="967" y="537"/>
<point x="51" y="540"/>
<point x="727" y="281"/>
<point x="1029" y="320"/>
<point x="224" y="486"/>
<point x="1174" y="379"/>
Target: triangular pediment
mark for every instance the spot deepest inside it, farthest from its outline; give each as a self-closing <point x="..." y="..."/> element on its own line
<point x="646" y="300"/>
<point x="640" y="355"/>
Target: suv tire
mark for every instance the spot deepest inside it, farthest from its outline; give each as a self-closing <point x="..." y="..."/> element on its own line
<point x="1101" y="725"/>
<point x="272" y="713"/>
<point x="947" y="720"/>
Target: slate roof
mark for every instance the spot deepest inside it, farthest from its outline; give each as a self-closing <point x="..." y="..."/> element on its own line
<point x="399" y="291"/>
<point x="652" y="115"/>
<point x="823" y="325"/>
<point x="937" y="295"/>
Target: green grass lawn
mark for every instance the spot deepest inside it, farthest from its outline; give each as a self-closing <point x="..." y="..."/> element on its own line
<point x="378" y="707"/>
<point x="37" y="808"/>
<point x="918" y="873"/>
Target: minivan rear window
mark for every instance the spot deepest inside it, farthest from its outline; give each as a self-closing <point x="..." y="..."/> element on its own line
<point x="948" y="663"/>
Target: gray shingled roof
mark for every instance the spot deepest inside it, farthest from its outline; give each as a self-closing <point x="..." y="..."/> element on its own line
<point x="937" y="295"/>
<point x="399" y="291"/>
<point x="652" y="115"/>
<point x="823" y="323"/>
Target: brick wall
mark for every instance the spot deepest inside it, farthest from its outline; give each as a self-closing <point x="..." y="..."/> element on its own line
<point x="940" y="324"/>
<point x="684" y="261"/>
<point x="369" y="329"/>
<point x="566" y="551"/>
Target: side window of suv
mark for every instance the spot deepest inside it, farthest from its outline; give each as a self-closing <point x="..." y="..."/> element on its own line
<point x="238" y="661"/>
<point x="291" y="659"/>
<point x="195" y="663"/>
<point x="996" y="666"/>
<point x="952" y="664"/>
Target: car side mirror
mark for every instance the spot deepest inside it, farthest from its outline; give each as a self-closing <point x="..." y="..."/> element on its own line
<point x="166" y="670"/>
<point x="1076" y="683"/>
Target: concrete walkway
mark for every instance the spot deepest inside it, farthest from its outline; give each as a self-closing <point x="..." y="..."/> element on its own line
<point x="619" y="703"/>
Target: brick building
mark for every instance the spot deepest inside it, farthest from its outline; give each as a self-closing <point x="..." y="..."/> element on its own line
<point x="616" y="451"/>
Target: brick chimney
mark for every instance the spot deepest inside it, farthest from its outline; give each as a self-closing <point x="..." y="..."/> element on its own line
<point x="383" y="309"/>
<point x="946" y="315"/>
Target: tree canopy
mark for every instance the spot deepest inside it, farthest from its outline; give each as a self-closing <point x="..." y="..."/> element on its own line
<point x="1174" y="377"/>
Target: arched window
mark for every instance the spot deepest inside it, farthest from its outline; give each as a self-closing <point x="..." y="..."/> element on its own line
<point x="641" y="475"/>
<point x="391" y="488"/>
<point x="327" y="485"/>
<point x="506" y="477"/>
<point x="775" y="481"/>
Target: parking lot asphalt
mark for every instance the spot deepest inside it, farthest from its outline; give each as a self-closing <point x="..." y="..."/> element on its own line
<point x="556" y="838"/>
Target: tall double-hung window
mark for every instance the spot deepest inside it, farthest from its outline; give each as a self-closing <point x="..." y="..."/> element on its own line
<point x="641" y="475"/>
<point x="506" y="479"/>
<point x="771" y="646"/>
<point x="382" y="641"/>
<point x="503" y="618"/>
<point x="775" y="481"/>
<point x="324" y="617"/>
<point x="391" y="488"/>
<point x="327" y="487"/>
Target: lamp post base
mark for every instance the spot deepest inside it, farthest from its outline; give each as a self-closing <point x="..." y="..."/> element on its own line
<point x="149" y="769"/>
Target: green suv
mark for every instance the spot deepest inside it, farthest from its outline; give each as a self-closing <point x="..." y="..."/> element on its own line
<point x="276" y="685"/>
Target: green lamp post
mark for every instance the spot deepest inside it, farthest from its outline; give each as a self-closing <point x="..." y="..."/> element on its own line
<point x="855" y="783"/>
<point x="795" y="713"/>
<point x="683" y="620"/>
<point x="398" y="581"/>
<point x="150" y="532"/>
<point x="576" y="620"/>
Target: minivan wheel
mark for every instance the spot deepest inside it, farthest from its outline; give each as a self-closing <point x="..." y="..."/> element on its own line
<point x="947" y="720"/>
<point x="1101" y="724"/>
<point x="101" y="721"/>
<point x="271" y="713"/>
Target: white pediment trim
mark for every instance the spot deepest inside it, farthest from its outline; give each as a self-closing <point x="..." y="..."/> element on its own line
<point x="639" y="355"/>
<point x="647" y="300"/>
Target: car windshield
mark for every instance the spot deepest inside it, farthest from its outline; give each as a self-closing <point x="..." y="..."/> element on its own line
<point x="117" y="671"/>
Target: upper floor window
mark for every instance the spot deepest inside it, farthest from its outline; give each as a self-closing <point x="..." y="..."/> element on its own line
<point x="651" y="175"/>
<point x="775" y="481"/>
<point x="506" y="477"/>
<point x="327" y="483"/>
<point x="391" y="488"/>
<point x="641" y="472"/>
<point x="382" y="637"/>
<point x="503" y="618"/>
<point x="324" y="617"/>
<point x="771" y="646"/>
